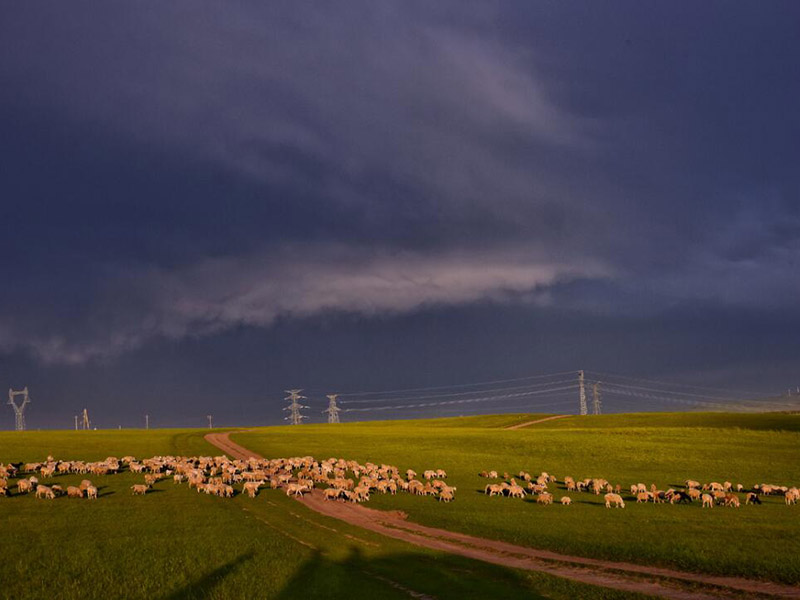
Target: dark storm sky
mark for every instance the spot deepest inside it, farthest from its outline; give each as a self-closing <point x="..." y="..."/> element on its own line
<point x="205" y="203"/>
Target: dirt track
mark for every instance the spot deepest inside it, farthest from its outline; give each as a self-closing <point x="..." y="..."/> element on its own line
<point x="521" y="425"/>
<point x="630" y="577"/>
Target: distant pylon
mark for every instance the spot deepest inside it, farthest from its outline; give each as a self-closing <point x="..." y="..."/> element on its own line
<point x="332" y="410"/>
<point x="86" y="423"/>
<point x="147" y="421"/>
<point x="582" y="392"/>
<point x="19" y="410"/>
<point x="596" y="404"/>
<point x="295" y="418"/>
<point x="210" y="421"/>
<point x="76" y="422"/>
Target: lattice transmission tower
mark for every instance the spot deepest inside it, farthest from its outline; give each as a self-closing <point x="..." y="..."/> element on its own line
<point x="19" y="409"/>
<point x="332" y="410"/>
<point x="596" y="403"/>
<point x="582" y="393"/>
<point x="295" y="418"/>
<point x="85" y="422"/>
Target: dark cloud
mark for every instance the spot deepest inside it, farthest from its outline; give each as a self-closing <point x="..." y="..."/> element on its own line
<point x="177" y="171"/>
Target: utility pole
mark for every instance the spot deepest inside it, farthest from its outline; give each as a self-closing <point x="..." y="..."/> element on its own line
<point x="76" y="422"/>
<point x="86" y="423"/>
<point x="582" y="388"/>
<point x="19" y="409"/>
<point x="596" y="397"/>
<point x="332" y="410"/>
<point x="210" y="424"/>
<point x="295" y="418"/>
<point x="147" y="421"/>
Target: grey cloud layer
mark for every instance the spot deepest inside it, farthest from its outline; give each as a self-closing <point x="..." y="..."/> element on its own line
<point x="475" y="161"/>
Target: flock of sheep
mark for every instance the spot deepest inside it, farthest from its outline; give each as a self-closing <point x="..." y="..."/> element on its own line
<point x="218" y="476"/>
<point x="709" y="494"/>
<point x="300" y="475"/>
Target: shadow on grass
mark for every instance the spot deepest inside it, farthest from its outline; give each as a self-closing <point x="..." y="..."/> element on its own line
<point x="403" y="575"/>
<point x="203" y="586"/>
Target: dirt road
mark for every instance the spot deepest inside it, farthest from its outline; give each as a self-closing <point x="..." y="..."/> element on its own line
<point x="521" y="425"/>
<point x="655" y="581"/>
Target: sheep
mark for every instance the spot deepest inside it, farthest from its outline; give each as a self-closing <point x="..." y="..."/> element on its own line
<point x="708" y="501"/>
<point x="140" y="489"/>
<point x="42" y="491"/>
<point x="331" y="493"/>
<point x="544" y="498"/>
<point x="447" y="495"/>
<point x="251" y="488"/>
<point x="85" y="484"/>
<point x="74" y="492"/>
<point x="642" y="497"/>
<point x="565" y="500"/>
<point x="689" y="483"/>
<point x="24" y="486"/>
<point x="732" y="500"/>
<point x="91" y="493"/>
<point x="752" y="498"/>
<point x="614" y="499"/>
<point x="516" y="491"/>
<point x="493" y="489"/>
<point x="791" y="496"/>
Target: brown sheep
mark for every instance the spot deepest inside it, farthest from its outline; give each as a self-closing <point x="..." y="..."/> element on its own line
<point x="614" y="499"/>
<point x="566" y="500"/>
<point x="708" y="501"/>
<point x="544" y="498"/>
<point x="140" y="489"/>
<point x="74" y="492"/>
<point x="91" y="493"/>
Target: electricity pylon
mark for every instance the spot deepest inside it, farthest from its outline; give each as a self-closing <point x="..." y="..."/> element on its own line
<point x="19" y="409"/>
<point x="210" y="421"/>
<point x="596" y="404"/>
<point x="582" y="392"/>
<point x="295" y="418"/>
<point x="332" y="410"/>
<point x="86" y="423"/>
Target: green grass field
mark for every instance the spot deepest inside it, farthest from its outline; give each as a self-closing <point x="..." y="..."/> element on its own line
<point x="175" y="543"/>
<point x="665" y="449"/>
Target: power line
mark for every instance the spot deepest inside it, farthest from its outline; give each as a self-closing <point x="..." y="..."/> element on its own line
<point x="442" y="387"/>
<point x="492" y="390"/>
<point x="463" y="400"/>
<point x="673" y="384"/>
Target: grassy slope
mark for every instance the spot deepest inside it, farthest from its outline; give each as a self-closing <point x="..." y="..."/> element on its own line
<point x="175" y="543"/>
<point x="663" y="448"/>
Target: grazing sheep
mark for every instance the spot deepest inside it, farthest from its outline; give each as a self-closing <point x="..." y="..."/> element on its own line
<point x="642" y="497"/>
<point x="91" y="493"/>
<point x="251" y="488"/>
<point x="566" y="500"/>
<point x="85" y="484"/>
<point x="447" y="495"/>
<point x="140" y="489"/>
<point x="752" y="498"/>
<point x="708" y="501"/>
<point x="614" y="499"/>
<point x="74" y="492"/>
<point x="544" y="498"/>
<point x="42" y="491"/>
<point x="791" y="496"/>
<point x="732" y="500"/>
<point x="24" y="486"/>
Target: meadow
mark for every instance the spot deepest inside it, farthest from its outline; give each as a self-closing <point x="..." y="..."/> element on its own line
<point x="666" y="449"/>
<point x="174" y="543"/>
